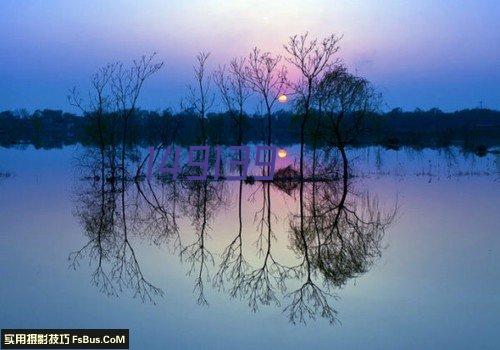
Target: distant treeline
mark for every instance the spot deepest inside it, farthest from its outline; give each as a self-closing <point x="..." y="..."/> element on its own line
<point x="472" y="129"/>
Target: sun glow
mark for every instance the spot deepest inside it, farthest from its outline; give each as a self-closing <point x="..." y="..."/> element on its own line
<point x="282" y="153"/>
<point x="282" y="98"/>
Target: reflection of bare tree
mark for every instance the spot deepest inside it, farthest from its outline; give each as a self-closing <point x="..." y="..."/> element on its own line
<point x="202" y="200"/>
<point x="338" y="235"/>
<point x="354" y="239"/>
<point x="309" y="298"/>
<point x="103" y="211"/>
<point x="157" y="211"/>
<point x="233" y="266"/>
<point x="97" y="210"/>
<point x="262" y="284"/>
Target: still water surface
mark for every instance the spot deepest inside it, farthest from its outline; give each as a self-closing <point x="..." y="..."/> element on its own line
<point x="422" y="272"/>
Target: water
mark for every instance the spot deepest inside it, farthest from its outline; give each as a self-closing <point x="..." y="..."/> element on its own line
<point x="427" y="276"/>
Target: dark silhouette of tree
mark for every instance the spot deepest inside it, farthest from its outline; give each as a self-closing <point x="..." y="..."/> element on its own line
<point x="200" y="98"/>
<point x="234" y="92"/>
<point x="267" y="78"/>
<point x="340" y="237"/>
<point x="346" y="100"/>
<point x="312" y="59"/>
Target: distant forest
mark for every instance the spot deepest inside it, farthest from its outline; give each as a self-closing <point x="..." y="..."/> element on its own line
<point x="475" y="130"/>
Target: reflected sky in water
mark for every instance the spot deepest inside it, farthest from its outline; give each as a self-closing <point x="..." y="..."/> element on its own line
<point x="435" y="285"/>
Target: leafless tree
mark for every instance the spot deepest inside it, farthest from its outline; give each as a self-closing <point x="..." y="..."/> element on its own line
<point x="233" y="266"/>
<point x="126" y="86"/>
<point x="266" y="77"/>
<point x="114" y="92"/>
<point x="97" y="105"/>
<point x="312" y="58"/>
<point x="200" y="98"/>
<point x="99" y="100"/>
<point x="234" y="92"/>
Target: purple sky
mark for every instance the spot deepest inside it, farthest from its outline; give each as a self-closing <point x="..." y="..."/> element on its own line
<point x="417" y="53"/>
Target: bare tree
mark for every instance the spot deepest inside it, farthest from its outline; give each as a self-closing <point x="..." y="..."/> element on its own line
<point x="267" y="78"/>
<point x="114" y="92"/>
<point x="234" y="91"/>
<point x="98" y="104"/>
<point x="312" y="58"/>
<point x="126" y="86"/>
<point x="200" y="98"/>
<point x="99" y="100"/>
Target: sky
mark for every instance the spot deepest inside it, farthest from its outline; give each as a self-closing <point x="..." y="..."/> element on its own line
<point x="417" y="53"/>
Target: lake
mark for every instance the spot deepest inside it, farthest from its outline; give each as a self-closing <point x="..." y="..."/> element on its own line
<point x="404" y="255"/>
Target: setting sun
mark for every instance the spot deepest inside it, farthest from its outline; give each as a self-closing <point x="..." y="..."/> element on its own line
<point x="282" y="99"/>
<point x="282" y="153"/>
